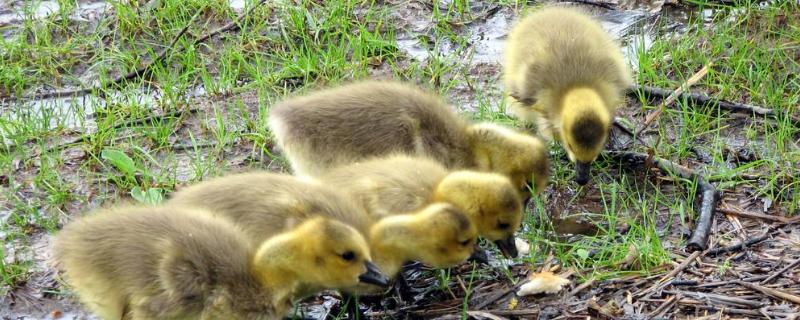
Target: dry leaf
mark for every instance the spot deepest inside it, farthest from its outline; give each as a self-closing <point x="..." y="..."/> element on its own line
<point x="544" y="281"/>
<point x="523" y="248"/>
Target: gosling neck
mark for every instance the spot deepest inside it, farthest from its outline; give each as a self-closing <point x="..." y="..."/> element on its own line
<point x="275" y="266"/>
<point x="390" y="240"/>
<point x="480" y="149"/>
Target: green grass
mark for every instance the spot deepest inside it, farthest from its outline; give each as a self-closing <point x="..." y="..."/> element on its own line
<point x="284" y="48"/>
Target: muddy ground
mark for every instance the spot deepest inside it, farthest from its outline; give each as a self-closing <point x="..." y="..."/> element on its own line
<point x="753" y="284"/>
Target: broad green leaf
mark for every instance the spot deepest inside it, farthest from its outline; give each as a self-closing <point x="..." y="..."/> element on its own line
<point x="582" y="253"/>
<point x="152" y="196"/>
<point x="119" y="160"/>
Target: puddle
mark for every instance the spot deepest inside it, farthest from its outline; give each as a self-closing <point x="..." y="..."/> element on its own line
<point x="36" y="10"/>
<point x="237" y="5"/>
<point x="635" y="29"/>
<point x="78" y="113"/>
<point x="27" y="10"/>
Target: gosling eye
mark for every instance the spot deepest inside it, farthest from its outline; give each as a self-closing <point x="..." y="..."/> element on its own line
<point x="503" y="225"/>
<point x="348" y="256"/>
<point x="466" y="242"/>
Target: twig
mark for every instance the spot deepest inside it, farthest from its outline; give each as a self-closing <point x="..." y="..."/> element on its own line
<point x="232" y="26"/>
<point x="181" y="147"/>
<point x="512" y="313"/>
<point x="482" y="16"/>
<point x="604" y="5"/>
<point x="670" y="302"/>
<point x="753" y="215"/>
<point x="485" y="314"/>
<point x="718" y="298"/>
<point x="482" y="313"/>
<point x="580" y="287"/>
<point x="694" y="303"/>
<point x="146" y="69"/>
<point x="701" y="100"/>
<point x="592" y="304"/>
<point x="739" y="246"/>
<point x="677" y="282"/>
<point x="782" y="271"/>
<point x="708" y="195"/>
<point x="498" y="295"/>
<point x="621" y="126"/>
<point x="671" y="274"/>
<point x="150" y="119"/>
<point x="672" y="97"/>
<point x="772" y="292"/>
<point x="722" y="283"/>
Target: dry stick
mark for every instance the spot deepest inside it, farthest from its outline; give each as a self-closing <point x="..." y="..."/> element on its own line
<point x="484" y="314"/>
<point x="518" y="312"/>
<point x="669" y="303"/>
<point x="602" y="4"/>
<point x="231" y="26"/>
<point x="498" y="295"/>
<point x="671" y="274"/>
<point x="772" y="292"/>
<point x="149" y="119"/>
<point x="723" y="310"/>
<point x="580" y="287"/>
<point x="699" y="99"/>
<point x="723" y="283"/>
<point x="142" y="71"/>
<point x="718" y="298"/>
<point x="739" y="246"/>
<point x="708" y="195"/>
<point x="621" y="126"/>
<point x="481" y="16"/>
<point x="753" y="215"/>
<point x="652" y="116"/>
<point x="782" y="271"/>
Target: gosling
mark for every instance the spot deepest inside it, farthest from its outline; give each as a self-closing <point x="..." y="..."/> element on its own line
<point x="564" y="72"/>
<point x="402" y="183"/>
<point x="265" y="203"/>
<point x="179" y="263"/>
<point x="339" y="126"/>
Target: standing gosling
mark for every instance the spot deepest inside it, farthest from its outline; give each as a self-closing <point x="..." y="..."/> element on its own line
<point x="265" y="203"/>
<point x="175" y="263"/>
<point x="565" y="72"/>
<point x="339" y="126"/>
<point x="402" y="183"/>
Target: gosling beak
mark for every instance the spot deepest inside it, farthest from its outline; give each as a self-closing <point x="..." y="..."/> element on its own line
<point x="582" y="172"/>
<point x="479" y="255"/>
<point x="508" y="247"/>
<point x="373" y="275"/>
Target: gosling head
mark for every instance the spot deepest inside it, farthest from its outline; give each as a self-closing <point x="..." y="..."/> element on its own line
<point x="520" y="157"/>
<point x="453" y="235"/>
<point x="321" y="252"/>
<point x="438" y="235"/>
<point x="585" y="121"/>
<point x="490" y="201"/>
